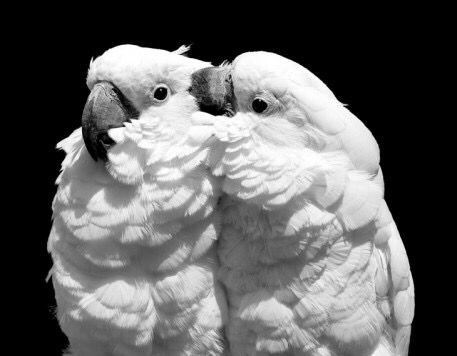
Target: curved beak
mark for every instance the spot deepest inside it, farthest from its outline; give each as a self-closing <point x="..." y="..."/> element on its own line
<point x="106" y="108"/>
<point x="213" y="89"/>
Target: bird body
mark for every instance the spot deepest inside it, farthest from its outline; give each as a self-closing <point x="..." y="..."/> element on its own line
<point x="310" y="256"/>
<point x="133" y="237"/>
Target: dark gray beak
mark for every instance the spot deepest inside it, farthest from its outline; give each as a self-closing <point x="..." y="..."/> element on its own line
<point x="212" y="87"/>
<point x="106" y="108"/>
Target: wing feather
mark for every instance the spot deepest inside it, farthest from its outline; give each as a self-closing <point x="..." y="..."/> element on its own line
<point x="394" y="283"/>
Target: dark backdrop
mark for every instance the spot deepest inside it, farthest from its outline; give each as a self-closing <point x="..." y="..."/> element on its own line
<point x="374" y="66"/>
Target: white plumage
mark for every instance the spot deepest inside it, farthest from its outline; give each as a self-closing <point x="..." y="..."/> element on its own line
<point x="133" y="241"/>
<point x="310" y="257"/>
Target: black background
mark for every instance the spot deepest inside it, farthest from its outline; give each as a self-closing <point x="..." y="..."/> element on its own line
<point x="373" y="64"/>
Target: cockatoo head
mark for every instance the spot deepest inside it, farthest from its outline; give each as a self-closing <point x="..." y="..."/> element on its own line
<point x="131" y="83"/>
<point x="284" y="105"/>
<point x="266" y="93"/>
<point x="268" y="88"/>
<point x="288" y="135"/>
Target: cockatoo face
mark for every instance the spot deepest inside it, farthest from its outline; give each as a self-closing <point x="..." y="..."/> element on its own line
<point x="267" y="89"/>
<point x="133" y="83"/>
<point x="286" y="107"/>
<point x="289" y="132"/>
<point x="266" y="93"/>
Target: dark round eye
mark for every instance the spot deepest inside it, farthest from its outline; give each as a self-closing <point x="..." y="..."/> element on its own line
<point x="160" y="93"/>
<point x="259" y="105"/>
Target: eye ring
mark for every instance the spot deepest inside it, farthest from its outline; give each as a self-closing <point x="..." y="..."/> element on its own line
<point x="161" y="93"/>
<point x="259" y="105"/>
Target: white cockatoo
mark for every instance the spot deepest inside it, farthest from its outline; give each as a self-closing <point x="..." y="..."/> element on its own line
<point x="311" y="259"/>
<point x="134" y="218"/>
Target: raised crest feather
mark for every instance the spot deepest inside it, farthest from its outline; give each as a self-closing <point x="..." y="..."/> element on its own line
<point x="182" y="50"/>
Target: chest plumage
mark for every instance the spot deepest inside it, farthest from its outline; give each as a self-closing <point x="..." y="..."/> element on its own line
<point x="134" y="264"/>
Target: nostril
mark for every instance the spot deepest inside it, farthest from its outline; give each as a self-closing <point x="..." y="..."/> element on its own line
<point x="105" y="140"/>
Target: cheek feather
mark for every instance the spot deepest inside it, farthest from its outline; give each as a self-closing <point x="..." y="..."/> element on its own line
<point x="279" y="132"/>
<point x="291" y="132"/>
<point x="176" y="110"/>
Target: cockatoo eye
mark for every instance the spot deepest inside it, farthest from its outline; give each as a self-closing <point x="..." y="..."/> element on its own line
<point x="259" y="105"/>
<point x="160" y="93"/>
